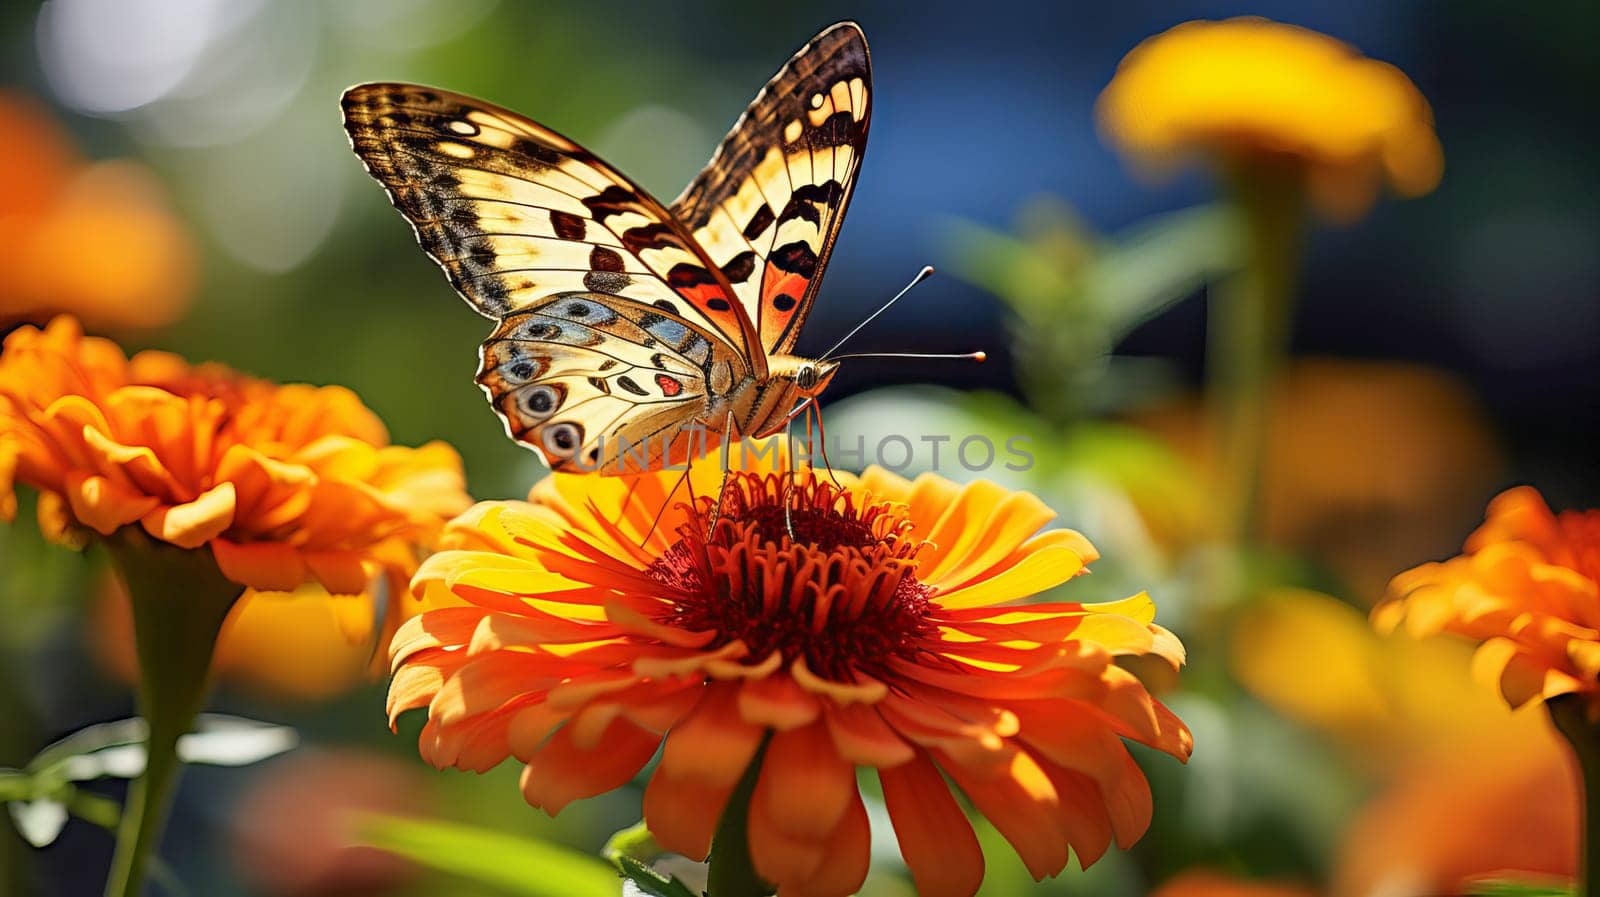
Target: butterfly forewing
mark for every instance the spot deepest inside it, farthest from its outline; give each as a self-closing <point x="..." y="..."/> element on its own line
<point x="767" y="209"/>
<point x="514" y="212"/>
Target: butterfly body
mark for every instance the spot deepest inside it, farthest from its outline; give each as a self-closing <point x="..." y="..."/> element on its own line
<point x="629" y="334"/>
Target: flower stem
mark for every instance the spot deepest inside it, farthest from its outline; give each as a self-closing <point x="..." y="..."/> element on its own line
<point x="1568" y="712"/>
<point x="732" y="872"/>
<point x="1248" y="335"/>
<point x="179" y="600"/>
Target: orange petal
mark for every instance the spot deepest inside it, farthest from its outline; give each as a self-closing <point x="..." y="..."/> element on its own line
<point x="1044" y="563"/>
<point x="777" y="702"/>
<point x="340" y="572"/>
<point x="194" y="523"/>
<point x="104" y="505"/>
<point x="849" y="853"/>
<point x="862" y="737"/>
<point x="683" y="813"/>
<point x="1005" y="528"/>
<point x="8" y="478"/>
<point x="560" y="772"/>
<point x="935" y="837"/>
<point x="714" y="744"/>
<point x="269" y="566"/>
<point x="781" y="858"/>
<point x="805" y="786"/>
<point x="1022" y="803"/>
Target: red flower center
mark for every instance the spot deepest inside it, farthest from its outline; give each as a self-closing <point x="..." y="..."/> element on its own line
<point x="797" y="567"/>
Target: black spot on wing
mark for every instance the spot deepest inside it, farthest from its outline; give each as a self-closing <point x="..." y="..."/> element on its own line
<point x="614" y="200"/>
<point x="687" y="276"/>
<point x="604" y="259"/>
<point x="568" y="226"/>
<point x="840" y="129"/>
<point x="650" y="236"/>
<point x="740" y="267"/>
<point x="804" y="201"/>
<point x="795" y="258"/>
<point x="627" y="383"/>
<point x="759" y="222"/>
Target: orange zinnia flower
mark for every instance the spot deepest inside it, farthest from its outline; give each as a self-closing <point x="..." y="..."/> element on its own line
<point x="809" y="627"/>
<point x="285" y="484"/>
<point x="1528" y="588"/>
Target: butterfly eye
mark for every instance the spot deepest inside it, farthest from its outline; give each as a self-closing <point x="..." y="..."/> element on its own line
<point x="806" y="377"/>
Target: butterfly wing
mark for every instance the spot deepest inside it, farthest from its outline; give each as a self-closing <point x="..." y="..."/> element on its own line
<point x="602" y="383"/>
<point x="767" y="208"/>
<point x="514" y="212"/>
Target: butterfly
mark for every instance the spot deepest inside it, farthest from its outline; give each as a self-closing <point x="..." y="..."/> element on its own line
<point x="629" y="333"/>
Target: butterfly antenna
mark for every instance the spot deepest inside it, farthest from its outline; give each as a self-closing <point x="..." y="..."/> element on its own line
<point x="979" y="356"/>
<point x="924" y="274"/>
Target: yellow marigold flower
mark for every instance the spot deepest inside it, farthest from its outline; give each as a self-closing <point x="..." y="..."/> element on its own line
<point x="285" y="484"/>
<point x="882" y="633"/>
<point x="1255" y="91"/>
<point x="1527" y="588"/>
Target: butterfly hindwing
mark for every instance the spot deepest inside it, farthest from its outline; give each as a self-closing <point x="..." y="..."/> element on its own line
<point x="768" y="207"/>
<point x="599" y="383"/>
<point x="514" y="212"/>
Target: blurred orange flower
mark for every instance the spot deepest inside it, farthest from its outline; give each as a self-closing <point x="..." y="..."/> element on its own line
<point x="877" y="635"/>
<point x="1253" y="91"/>
<point x="1369" y="465"/>
<point x="1527" y="588"/>
<point x="1456" y="768"/>
<point x="1472" y="811"/>
<point x="284" y="483"/>
<point x="98" y="240"/>
<point x="292" y="646"/>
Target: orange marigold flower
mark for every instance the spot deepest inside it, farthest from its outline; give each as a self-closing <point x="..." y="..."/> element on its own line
<point x="1252" y="90"/>
<point x="1528" y="588"/>
<point x="97" y="239"/>
<point x="861" y="625"/>
<point x="285" y="484"/>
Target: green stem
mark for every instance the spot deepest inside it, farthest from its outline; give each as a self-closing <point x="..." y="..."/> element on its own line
<point x="1248" y="335"/>
<point x="179" y="601"/>
<point x="732" y="872"/>
<point x="1569" y="714"/>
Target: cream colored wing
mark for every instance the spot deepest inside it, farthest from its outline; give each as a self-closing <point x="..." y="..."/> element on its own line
<point x="605" y="384"/>
<point x="514" y="212"/>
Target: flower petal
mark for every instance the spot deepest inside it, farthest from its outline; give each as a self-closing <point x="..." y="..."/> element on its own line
<point x="193" y="524"/>
<point x="935" y="837"/>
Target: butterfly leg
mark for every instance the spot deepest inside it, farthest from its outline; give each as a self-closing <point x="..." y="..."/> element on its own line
<point x="666" y="502"/>
<point x="822" y="436"/>
<point x="727" y="468"/>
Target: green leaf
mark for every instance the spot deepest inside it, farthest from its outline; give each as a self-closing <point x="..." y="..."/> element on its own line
<point x="1510" y="888"/>
<point x="513" y="864"/>
<point x="1160" y="262"/>
<point x="633" y="842"/>
<point x="651" y="882"/>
